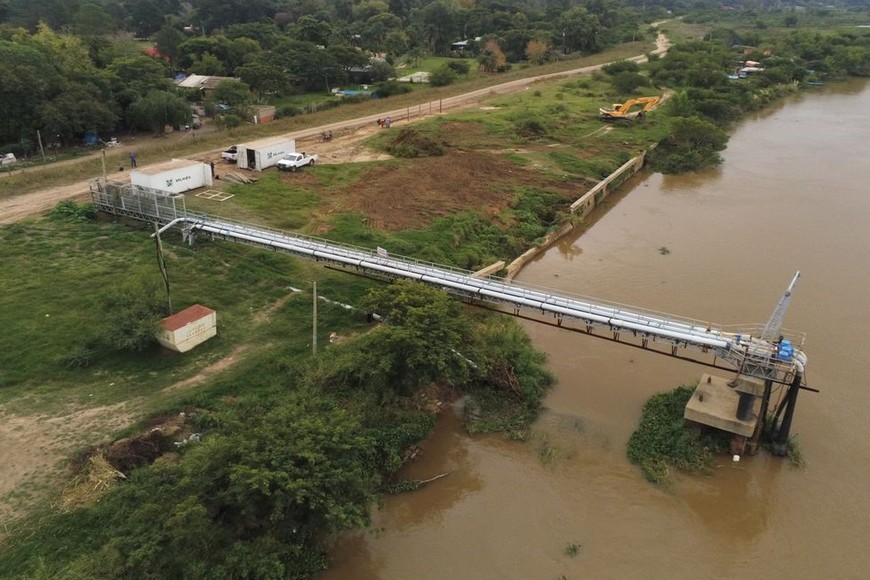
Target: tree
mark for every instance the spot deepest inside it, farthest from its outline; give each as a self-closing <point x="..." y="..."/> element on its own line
<point x="537" y="51"/>
<point x="220" y="13"/>
<point x="625" y="82"/>
<point x="168" y="40"/>
<point x="206" y="64"/>
<point x="437" y="25"/>
<point x="148" y="16"/>
<point x="264" y="78"/>
<point x="133" y="76"/>
<point x="233" y="93"/>
<point x="580" y="30"/>
<point x="491" y="58"/>
<point x="131" y="313"/>
<point x="422" y="339"/>
<point x="91" y="19"/>
<point x="158" y="109"/>
<point x="77" y="109"/>
<point x="26" y="79"/>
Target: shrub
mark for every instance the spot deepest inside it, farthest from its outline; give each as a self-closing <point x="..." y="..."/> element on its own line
<point x="70" y="211"/>
<point x="663" y="439"/>
<point x="390" y="88"/>
<point x="460" y="67"/>
<point x="441" y="77"/>
<point x="621" y="66"/>
<point x="409" y="143"/>
<point x="625" y="82"/>
<point x="287" y="111"/>
<point x="530" y="128"/>
<point x="132" y="311"/>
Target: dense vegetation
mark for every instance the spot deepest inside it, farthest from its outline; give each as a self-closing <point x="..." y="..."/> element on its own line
<point x="662" y="439"/>
<point x="92" y="78"/>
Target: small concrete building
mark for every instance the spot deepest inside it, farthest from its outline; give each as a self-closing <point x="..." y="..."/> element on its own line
<point x="263" y="114"/>
<point x="176" y="176"/>
<point x="186" y="329"/>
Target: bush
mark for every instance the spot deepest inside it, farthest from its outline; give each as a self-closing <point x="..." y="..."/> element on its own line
<point x="692" y="144"/>
<point x="409" y="143"/>
<point x="530" y="128"/>
<point x="132" y="311"/>
<point x="69" y="211"/>
<point x="228" y="121"/>
<point x="287" y="111"/>
<point x="663" y="439"/>
<point x="442" y="77"/>
<point x="390" y="88"/>
<point x="622" y="66"/>
<point x="460" y="67"/>
<point x="625" y="82"/>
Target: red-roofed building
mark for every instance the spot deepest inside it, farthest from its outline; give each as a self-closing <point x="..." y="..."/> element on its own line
<point x="184" y="330"/>
<point x="152" y="51"/>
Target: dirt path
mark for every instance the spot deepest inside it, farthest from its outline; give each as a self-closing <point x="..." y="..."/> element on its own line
<point x="344" y="147"/>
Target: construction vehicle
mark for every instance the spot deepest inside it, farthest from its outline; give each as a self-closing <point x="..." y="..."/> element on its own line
<point x="623" y="111"/>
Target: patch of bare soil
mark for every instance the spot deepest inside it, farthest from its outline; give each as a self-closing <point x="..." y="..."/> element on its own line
<point x="411" y="195"/>
<point x="33" y="447"/>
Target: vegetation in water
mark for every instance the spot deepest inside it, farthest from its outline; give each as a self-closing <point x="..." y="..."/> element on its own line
<point x="572" y="549"/>
<point x="663" y="439"/>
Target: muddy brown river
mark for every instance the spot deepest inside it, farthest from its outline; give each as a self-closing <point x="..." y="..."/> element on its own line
<point x="792" y="194"/>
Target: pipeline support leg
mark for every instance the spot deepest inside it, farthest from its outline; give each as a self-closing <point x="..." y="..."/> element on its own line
<point x="780" y="442"/>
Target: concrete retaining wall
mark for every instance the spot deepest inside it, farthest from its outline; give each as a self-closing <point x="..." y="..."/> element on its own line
<point x="581" y="208"/>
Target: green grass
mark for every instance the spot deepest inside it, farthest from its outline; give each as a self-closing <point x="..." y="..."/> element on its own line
<point x="50" y="302"/>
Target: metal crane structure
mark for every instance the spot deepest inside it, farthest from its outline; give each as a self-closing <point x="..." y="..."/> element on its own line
<point x="750" y="351"/>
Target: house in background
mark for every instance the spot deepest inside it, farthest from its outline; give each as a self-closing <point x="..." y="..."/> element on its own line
<point x="204" y="83"/>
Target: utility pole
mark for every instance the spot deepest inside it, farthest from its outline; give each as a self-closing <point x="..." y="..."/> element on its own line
<point x="314" y="325"/>
<point x="41" y="148"/>
<point x="161" y="263"/>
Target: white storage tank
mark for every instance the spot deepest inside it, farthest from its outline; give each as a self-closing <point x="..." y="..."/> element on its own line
<point x="184" y="330"/>
<point x="265" y="153"/>
<point x="176" y="176"/>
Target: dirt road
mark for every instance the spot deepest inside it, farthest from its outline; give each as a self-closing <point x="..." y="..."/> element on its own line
<point x="344" y="147"/>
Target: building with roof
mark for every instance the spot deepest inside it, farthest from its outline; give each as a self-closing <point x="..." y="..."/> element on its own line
<point x="188" y="328"/>
<point x="204" y="83"/>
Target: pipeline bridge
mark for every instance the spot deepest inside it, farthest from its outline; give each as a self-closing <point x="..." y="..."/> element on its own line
<point x="750" y="351"/>
<point x="744" y="350"/>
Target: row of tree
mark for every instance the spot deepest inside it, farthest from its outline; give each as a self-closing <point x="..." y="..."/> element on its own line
<point x="87" y="80"/>
<point x="376" y="25"/>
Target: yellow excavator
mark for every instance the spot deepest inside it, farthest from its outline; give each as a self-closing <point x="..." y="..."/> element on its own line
<point x="623" y="111"/>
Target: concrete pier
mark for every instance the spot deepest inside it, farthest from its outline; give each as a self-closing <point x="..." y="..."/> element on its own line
<point x="715" y="404"/>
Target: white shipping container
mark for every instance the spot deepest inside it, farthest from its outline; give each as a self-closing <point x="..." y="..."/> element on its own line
<point x="184" y="330"/>
<point x="265" y="153"/>
<point x="176" y="176"/>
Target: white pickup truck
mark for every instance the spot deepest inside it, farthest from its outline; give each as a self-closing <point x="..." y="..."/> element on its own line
<point x="294" y="161"/>
<point x="231" y="154"/>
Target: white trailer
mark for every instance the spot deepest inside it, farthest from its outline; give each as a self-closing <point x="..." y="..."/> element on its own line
<point x="176" y="176"/>
<point x="265" y="153"/>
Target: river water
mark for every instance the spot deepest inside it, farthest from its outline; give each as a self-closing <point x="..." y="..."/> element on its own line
<point x="792" y="194"/>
